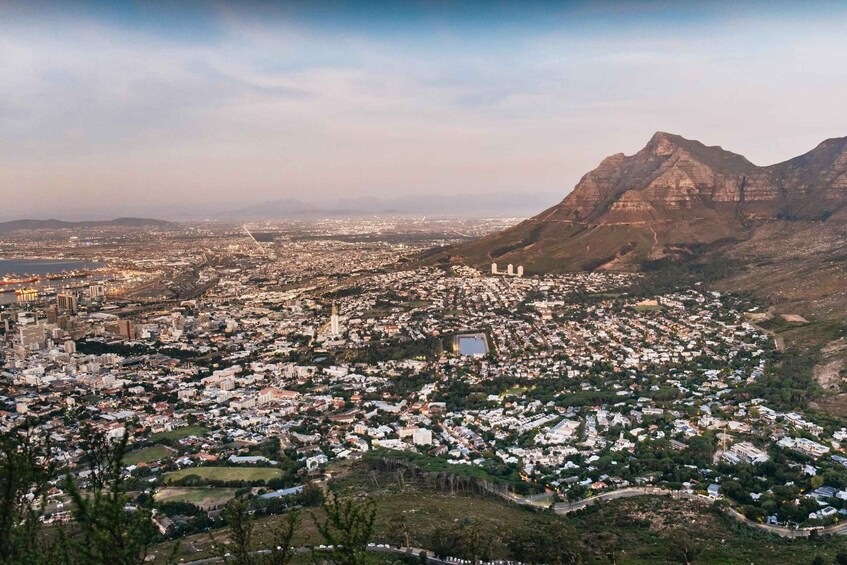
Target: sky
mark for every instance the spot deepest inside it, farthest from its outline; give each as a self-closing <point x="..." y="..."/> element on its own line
<point x="193" y="108"/>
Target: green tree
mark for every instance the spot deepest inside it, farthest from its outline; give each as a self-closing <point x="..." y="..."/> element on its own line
<point x="683" y="548"/>
<point x="242" y="548"/>
<point x="348" y="527"/>
<point x="544" y="541"/>
<point x="475" y="541"/>
<point x="23" y="486"/>
<point x="105" y="530"/>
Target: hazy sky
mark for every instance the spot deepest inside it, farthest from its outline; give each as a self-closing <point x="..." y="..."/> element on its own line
<point x="126" y="108"/>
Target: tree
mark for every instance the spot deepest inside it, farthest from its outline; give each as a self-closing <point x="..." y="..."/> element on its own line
<point x="684" y="549"/>
<point x="242" y="549"/>
<point x="283" y="551"/>
<point x="475" y="542"/>
<point x="105" y="530"/>
<point x="605" y="544"/>
<point x="23" y="485"/>
<point x="544" y="541"/>
<point x="347" y="527"/>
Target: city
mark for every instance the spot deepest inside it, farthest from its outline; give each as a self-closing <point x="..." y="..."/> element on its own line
<point x="272" y="361"/>
<point x="423" y="282"/>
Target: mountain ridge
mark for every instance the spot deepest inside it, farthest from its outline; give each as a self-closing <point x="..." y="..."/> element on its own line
<point x="52" y="223"/>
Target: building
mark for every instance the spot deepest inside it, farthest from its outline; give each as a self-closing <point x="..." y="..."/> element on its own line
<point x="67" y="302"/>
<point x="126" y="329"/>
<point x="26" y="294"/>
<point x="422" y="436"/>
<point x="96" y="291"/>
<point x="32" y="336"/>
<point x="334" y="326"/>
<point x="53" y="314"/>
<point x="511" y="270"/>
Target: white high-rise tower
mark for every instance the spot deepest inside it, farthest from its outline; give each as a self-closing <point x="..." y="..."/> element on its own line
<point x="333" y="321"/>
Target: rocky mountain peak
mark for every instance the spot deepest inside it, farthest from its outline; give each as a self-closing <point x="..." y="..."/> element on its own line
<point x="663" y="143"/>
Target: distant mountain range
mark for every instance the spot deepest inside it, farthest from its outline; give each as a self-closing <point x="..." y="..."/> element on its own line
<point x="670" y="199"/>
<point x="53" y="224"/>
<point x="491" y="204"/>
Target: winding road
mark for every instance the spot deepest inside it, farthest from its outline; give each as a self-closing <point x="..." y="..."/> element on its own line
<point x="782" y="531"/>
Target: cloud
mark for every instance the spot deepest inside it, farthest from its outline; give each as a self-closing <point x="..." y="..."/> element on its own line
<point x="241" y="107"/>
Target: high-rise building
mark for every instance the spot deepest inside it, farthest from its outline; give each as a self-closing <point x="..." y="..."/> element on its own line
<point x="67" y="302"/>
<point x="96" y="291"/>
<point x="334" y="327"/>
<point x="126" y="329"/>
<point x="493" y="268"/>
<point x="510" y="269"/>
<point x="32" y="336"/>
<point x="520" y="270"/>
<point x="52" y="314"/>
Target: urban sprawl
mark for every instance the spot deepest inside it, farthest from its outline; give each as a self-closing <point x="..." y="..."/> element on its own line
<point x="263" y="356"/>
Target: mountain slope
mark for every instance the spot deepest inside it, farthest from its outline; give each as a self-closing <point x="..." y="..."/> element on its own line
<point x="672" y="198"/>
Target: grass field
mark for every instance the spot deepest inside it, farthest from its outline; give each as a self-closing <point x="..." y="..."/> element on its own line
<point x="201" y="496"/>
<point x="179" y="433"/>
<point x="226" y="473"/>
<point x="148" y="454"/>
<point x="516" y="391"/>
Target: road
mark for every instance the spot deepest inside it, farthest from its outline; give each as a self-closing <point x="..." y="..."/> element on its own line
<point x="782" y="531"/>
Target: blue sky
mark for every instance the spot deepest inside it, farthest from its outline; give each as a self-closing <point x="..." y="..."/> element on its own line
<point x="149" y="107"/>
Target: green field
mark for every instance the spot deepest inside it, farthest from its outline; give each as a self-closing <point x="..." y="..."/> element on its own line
<point x="179" y="433"/>
<point x="201" y="496"/>
<point x="148" y="455"/>
<point x="227" y="473"/>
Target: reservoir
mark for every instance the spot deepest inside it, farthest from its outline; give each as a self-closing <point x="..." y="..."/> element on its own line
<point x="471" y="344"/>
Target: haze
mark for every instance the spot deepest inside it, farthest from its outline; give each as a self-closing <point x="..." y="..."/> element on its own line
<point x="193" y="109"/>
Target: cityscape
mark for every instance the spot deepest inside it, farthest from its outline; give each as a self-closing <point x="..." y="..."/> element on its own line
<point x="270" y="355"/>
<point x="410" y="283"/>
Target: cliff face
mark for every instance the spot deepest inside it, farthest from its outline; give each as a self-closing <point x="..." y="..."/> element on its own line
<point x="673" y="194"/>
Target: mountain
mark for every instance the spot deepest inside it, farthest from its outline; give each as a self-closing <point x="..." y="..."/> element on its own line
<point x="53" y="224"/>
<point x="490" y="204"/>
<point x="672" y="199"/>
